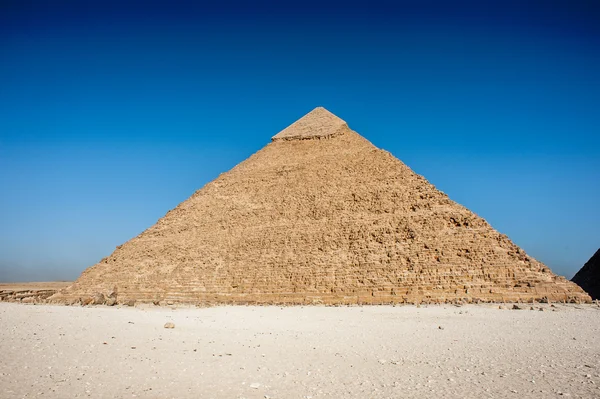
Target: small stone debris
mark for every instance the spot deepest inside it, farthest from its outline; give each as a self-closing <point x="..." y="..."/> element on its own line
<point x="382" y="361"/>
<point x="440" y="328"/>
<point x="169" y="325"/>
<point x="501" y="307"/>
<point x="255" y="385"/>
<point x="516" y="307"/>
<point x="98" y="299"/>
<point x="87" y="301"/>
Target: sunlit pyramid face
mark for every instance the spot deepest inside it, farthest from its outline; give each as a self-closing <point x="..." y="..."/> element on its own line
<point x="320" y="215"/>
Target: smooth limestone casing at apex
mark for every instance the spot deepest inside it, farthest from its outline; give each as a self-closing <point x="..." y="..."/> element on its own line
<point x="319" y="215"/>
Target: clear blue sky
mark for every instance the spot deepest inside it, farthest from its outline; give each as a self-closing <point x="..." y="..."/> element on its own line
<point x="111" y="113"/>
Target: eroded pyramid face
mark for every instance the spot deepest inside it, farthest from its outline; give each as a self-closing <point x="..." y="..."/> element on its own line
<point x="320" y="215"/>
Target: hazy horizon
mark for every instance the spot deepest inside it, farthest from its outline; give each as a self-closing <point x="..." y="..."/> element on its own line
<point x="111" y="114"/>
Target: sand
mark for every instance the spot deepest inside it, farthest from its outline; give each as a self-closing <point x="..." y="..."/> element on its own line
<point x="475" y="351"/>
<point x="36" y="286"/>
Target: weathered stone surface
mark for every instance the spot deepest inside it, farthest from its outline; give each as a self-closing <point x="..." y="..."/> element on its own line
<point x="34" y="292"/>
<point x="99" y="299"/>
<point x="26" y="296"/>
<point x="87" y="301"/>
<point x="320" y="215"/>
<point x="317" y="124"/>
<point x="588" y="277"/>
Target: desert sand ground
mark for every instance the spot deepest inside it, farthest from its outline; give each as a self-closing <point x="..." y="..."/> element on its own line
<point x="474" y="351"/>
<point x="50" y="285"/>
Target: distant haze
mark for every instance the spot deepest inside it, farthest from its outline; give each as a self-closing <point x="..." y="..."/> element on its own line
<point x="110" y="114"/>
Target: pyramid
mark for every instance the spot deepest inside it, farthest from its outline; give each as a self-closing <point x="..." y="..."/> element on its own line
<point x="319" y="215"/>
<point x="588" y="277"/>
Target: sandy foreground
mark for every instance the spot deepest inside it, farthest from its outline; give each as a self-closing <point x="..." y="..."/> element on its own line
<point x="474" y="351"/>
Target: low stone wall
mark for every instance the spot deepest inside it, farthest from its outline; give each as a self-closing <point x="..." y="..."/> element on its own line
<point x="26" y="296"/>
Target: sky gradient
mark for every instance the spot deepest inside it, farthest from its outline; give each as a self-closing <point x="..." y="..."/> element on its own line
<point x="112" y="113"/>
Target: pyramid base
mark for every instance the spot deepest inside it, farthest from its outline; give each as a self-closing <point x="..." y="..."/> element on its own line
<point x="363" y="298"/>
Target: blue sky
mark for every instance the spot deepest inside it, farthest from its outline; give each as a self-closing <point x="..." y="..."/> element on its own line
<point x="111" y="113"/>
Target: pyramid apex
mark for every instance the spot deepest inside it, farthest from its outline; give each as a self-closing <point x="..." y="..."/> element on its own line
<point x="317" y="124"/>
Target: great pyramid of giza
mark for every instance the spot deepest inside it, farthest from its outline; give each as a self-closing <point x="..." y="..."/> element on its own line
<point x="319" y="215"/>
<point x="588" y="277"/>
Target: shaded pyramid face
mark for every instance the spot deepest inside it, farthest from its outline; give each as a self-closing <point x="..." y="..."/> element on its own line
<point x="588" y="277"/>
<point x="320" y="215"/>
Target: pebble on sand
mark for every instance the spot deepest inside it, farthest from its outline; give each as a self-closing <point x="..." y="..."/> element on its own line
<point x="169" y="325"/>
